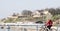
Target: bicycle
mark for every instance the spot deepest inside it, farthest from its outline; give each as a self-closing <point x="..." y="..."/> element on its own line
<point x="44" y="28"/>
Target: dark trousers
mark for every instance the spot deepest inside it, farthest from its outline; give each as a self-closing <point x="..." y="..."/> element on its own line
<point x="49" y="26"/>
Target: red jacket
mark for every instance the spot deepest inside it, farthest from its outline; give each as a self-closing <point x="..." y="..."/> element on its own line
<point x="49" y="22"/>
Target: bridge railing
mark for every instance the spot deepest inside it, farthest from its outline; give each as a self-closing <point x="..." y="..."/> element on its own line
<point x="22" y="28"/>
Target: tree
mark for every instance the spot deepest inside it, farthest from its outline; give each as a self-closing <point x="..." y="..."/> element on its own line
<point x="27" y="12"/>
<point x="58" y="10"/>
<point x="52" y="11"/>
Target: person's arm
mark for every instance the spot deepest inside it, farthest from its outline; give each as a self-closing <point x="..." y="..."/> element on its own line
<point x="47" y="23"/>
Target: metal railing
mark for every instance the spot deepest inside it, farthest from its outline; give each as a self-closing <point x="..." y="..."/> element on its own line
<point x="20" y="28"/>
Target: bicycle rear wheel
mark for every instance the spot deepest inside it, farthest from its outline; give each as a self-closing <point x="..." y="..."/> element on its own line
<point x="53" y="29"/>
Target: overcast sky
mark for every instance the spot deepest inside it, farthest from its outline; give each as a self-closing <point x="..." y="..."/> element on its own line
<point x="7" y="7"/>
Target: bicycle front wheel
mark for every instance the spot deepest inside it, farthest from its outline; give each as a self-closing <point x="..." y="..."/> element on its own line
<point x="41" y="29"/>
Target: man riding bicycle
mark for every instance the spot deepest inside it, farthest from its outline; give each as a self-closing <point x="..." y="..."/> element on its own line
<point x="49" y="24"/>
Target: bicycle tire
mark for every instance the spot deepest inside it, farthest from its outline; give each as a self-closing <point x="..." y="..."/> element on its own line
<point x="41" y="29"/>
<point x="48" y="30"/>
<point x="53" y="29"/>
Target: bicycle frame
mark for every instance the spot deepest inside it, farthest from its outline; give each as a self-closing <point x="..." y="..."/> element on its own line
<point x="44" y="28"/>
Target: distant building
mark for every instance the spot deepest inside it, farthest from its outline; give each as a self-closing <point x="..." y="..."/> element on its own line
<point x="42" y="13"/>
<point x="36" y="13"/>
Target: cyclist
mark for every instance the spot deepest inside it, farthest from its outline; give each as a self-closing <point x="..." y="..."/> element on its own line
<point x="49" y="23"/>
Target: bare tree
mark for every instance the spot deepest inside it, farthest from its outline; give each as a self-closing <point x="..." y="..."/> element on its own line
<point x="54" y="11"/>
<point x="27" y="12"/>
